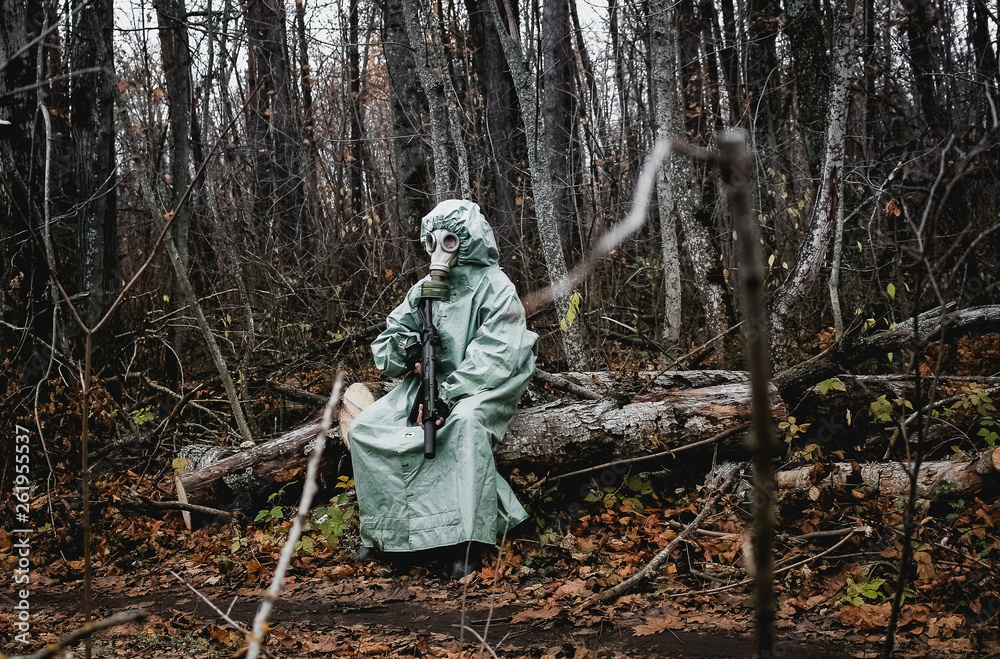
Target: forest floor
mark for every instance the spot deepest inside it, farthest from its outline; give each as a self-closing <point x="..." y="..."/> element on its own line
<point x="837" y="555"/>
<point x="525" y="602"/>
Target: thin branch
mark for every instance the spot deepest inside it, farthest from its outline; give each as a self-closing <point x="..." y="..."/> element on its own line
<point x="650" y="568"/>
<point x="614" y="237"/>
<point x="566" y="385"/>
<point x="142" y="504"/>
<point x="84" y="632"/>
<point x="222" y="614"/>
<point x="747" y="582"/>
<point x="652" y="456"/>
<point x="41" y="36"/>
<point x="278" y="581"/>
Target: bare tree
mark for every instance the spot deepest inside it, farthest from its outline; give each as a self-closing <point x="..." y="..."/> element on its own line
<point x="503" y="138"/>
<point x="559" y="112"/>
<point x="437" y="101"/>
<point x="678" y="190"/>
<point x="93" y="136"/>
<point x="274" y="128"/>
<point x="409" y="107"/>
<point x="813" y="252"/>
<point x="541" y="185"/>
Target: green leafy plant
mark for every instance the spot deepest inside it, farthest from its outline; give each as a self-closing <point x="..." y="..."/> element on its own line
<point x="574" y="308"/>
<point x="833" y="384"/>
<point x="142" y="415"/>
<point x="274" y="512"/>
<point x="811" y="453"/>
<point x="865" y="590"/>
<point x="238" y="543"/>
<point x="332" y="521"/>
<point x="979" y="402"/>
<point x="883" y="409"/>
<point x="793" y="429"/>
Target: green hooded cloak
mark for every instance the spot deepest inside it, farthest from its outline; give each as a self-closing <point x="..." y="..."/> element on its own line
<point x="487" y="356"/>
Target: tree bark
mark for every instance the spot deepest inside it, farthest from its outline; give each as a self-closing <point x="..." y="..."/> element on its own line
<point x="853" y="351"/>
<point x="275" y="128"/>
<point x="505" y="139"/>
<point x="808" y="46"/>
<point x="355" y="193"/>
<point x="812" y="253"/>
<point x="664" y="63"/>
<point x="541" y="186"/>
<point x="921" y="16"/>
<point x="559" y="112"/>
<point x="24" y="300"/>
<point x="93" y="139"/>
<point x="892" y="478"/>
<point x="683" y="408"/>
<point x="437" y="102"/>
<point x="171" y="15"/>
<point x="316" y="215"/>
<point x="409" y="108"/>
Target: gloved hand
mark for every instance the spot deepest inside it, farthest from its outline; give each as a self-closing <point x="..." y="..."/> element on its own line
<point x="439" y="406"/>
<point x="413" y="355"/>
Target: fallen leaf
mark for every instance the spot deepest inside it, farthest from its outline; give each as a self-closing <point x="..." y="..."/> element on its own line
<point x="546" y="613"/>
<point x="657" y="625"/>
<point x="866" y="616"/>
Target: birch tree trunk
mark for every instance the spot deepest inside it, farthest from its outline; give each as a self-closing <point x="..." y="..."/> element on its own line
<point x="813" y="251"/>
<point x="436" y="102"/>
<point x="541" y="185"/>
<point x="664" y="84"/>
<point x="559" y="101"/>
<point x="677" y="188"/>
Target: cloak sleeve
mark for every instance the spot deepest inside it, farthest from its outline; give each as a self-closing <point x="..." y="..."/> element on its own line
<point x="402" y="329"/>
<point x="498" y="350"/>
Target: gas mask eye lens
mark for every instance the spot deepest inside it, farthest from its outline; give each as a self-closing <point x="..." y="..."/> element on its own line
<point x="449" y="242"/>
<point x="429" y="242"/>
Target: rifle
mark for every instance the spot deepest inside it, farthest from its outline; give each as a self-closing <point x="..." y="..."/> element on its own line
<point x="435" y="289"/>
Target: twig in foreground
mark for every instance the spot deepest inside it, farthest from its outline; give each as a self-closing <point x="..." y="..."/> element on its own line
<point x="88" y="629"/>
<point x="260" y="622"/>
<point x="749" y="581"/>
<point x="661" y="558"/>
<point x="222" y="614"/>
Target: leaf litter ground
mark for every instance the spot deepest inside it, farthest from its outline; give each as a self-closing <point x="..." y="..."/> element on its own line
<point x="526" y="600"/>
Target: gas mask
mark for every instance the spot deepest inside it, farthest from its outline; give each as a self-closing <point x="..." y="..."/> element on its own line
<point x="442" y="245"/>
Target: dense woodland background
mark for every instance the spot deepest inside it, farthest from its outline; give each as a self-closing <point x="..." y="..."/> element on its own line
<point x="295" y="149"/>
<point x="213" y="205"/>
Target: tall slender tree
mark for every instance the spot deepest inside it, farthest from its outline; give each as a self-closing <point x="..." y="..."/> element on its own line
<point x="94" y="163"/>
<point x="274" y="128"/>
<point x="813" y="251"/>
<point x="409" y="110"/>
<point x="504" y="138"/>
<point x="541" y="186"/>
<point x="559" y="113"/>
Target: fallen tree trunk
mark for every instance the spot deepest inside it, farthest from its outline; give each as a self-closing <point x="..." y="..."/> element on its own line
<point x="639" y="415"/>
<point x="852" y="351"/>
<point x="893" y="478"/>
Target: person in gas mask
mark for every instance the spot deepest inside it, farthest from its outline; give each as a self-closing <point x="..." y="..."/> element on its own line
<point x="486" y="356"/>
